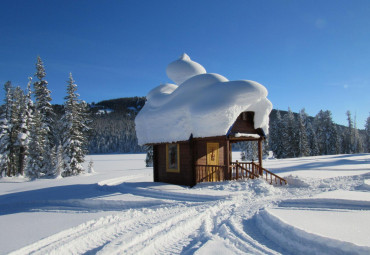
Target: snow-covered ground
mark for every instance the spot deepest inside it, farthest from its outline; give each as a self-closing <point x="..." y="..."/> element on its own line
<point x="325" y="209"/>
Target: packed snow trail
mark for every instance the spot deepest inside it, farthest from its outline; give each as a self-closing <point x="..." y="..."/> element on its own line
<point x="166" y="230"/>
<point x="234" y="217"/>
<point x="186" y="223"/>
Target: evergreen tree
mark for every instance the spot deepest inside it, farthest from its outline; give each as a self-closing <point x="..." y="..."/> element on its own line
<point x="149" y="156"/>
<point x="357" y="143"/>
<point x="336" y="140"/>
<point x="348" y="139"/>
<point x="367" y="135"/>
<point x="265" y="147"/>
<point x="242" y="156"/>
<point x="26" y="125"/>
<point x="20" y="131"/>
<point x="303" y="145"/>
<point x="290" y="136"/>
<point x="275" y="136"/>
<point x="90" y="167"/>
<point x="46" y="114"/>
<point x="5" y="134"/>
<point x="59" y="162"/>
<point x="34" y="163"/>
<point x="4" y="146"/>
<point x="75" y="131"/>
<point x="312" y="139"/>
<point x="251" y="152"/>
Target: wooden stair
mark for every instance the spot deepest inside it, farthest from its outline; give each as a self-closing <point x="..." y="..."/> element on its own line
<point x="251" y="170"/>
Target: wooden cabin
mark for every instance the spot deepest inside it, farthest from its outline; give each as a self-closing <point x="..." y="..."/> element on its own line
<point x="208" y="159"/>
<point x="197" y="115"/>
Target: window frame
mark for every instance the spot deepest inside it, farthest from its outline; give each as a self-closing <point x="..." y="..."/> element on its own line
<point x="168" y="169"/>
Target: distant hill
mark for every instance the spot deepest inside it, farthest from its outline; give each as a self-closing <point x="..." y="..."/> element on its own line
<point x="121" y="104"/>
<point x="114" y="125"/>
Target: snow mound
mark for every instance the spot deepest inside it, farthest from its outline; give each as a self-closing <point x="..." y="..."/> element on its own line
<point x="365" y="185"/>
<point x="295" y="239"/>
<point x="184" y="68"/>
<point x="296" y="182"/>
<point x="201" y="104"/>
<point x="255" y="187"/>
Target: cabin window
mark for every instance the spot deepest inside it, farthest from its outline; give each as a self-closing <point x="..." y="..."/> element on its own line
<point x="173" y="157"/>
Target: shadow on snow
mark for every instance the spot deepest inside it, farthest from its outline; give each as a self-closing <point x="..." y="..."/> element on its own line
<point x="90" y="198"/>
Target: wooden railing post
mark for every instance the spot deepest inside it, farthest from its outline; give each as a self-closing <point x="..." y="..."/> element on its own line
<point x="260" y="155"/>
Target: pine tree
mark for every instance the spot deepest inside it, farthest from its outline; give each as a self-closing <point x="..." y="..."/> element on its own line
<point x="357" y="143"/>
<point x="90" y="167"/>
<point x="46" y="114"/>
<point x="242" y="156"/>
<point x="290" y="135"/>
<point x="149" y="156"/>
<point x="326" y="133"/>
<point x="275" y="136"/>
<point x="312" y="139"/>
<point x="5" y="134"/>
<point x="4" y="146"/>
<point x="20" y="130"/>
<point x="26" y="124"/>
<point x="59" y="162"/>
<point x="303" y="145"/>
<point x="251" y="151"/>
<point x="265" y="147"/>
<point x="348" y="141"/>
<point x="34" y="162"/>
<point x="367" y="135"/>
<point x="15" y="124"/>
<point x="75" y="131"/>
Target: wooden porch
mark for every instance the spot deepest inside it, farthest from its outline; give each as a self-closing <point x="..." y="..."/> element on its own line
<point x="236" y="170"/>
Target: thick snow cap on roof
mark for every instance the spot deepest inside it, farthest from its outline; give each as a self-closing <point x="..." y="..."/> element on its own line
<point x="202" y="104"/>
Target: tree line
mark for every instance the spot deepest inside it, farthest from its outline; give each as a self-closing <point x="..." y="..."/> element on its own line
<point x="34" y="140"/>
<point x="40" y="139"/>
<point x="113" y="126"/>
<point x="299" y="135"/>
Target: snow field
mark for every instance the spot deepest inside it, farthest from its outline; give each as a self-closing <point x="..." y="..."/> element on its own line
<point x="119" y="210"/>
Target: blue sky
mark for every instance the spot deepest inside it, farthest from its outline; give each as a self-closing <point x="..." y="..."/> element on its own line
<point x="308" y="54"/>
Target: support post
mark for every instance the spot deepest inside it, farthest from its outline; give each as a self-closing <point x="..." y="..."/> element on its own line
<point x="260" y="154"/>
<point x="227" y="173"/>
<point x="155" y="164"/>
<point x="195" y="171"/>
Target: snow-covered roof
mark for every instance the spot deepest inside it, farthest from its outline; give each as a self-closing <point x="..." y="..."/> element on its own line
<point x="202" y="104"/>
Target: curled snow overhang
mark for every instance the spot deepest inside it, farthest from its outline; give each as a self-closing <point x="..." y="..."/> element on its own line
<point x="202" y="104"/>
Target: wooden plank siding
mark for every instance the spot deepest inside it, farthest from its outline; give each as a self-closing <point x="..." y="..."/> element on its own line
<point x="194" y="167"/>
<point x="155" y="163"/>
<point x="185" y="176"/>
<point x="200" y="145"/>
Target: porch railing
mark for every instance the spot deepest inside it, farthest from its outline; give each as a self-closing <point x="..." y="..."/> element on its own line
<point x="253" y="170"/>
<point x="237" y="170"/>
<point x="209" y="173"/>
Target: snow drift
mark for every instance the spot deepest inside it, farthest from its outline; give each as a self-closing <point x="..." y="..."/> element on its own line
<point x="202" y="104"/>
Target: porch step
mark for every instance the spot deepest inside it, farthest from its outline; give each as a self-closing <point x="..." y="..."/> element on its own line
<point x="252" y="170"/>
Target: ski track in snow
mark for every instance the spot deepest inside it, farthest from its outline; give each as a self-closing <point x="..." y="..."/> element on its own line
<point x="184" y="223"/>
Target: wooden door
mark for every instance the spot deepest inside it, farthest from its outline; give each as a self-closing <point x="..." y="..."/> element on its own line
<point x="212" y="160"/>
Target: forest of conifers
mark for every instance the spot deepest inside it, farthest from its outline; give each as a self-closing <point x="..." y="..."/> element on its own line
<point x="291" y="134"/>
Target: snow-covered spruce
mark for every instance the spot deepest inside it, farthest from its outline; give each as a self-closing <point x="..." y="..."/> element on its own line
<point x="75" y="128"/>
<point x="46" y="114"/>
